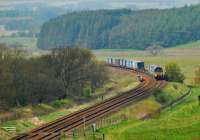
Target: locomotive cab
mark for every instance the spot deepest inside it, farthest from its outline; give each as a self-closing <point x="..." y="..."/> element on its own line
<point x="158" y="73"/>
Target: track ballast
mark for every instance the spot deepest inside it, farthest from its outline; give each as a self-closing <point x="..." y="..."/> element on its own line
<point x="55" y="129"/>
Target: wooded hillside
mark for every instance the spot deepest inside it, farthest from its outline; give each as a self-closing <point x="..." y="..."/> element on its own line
<point x="122" y="28"/>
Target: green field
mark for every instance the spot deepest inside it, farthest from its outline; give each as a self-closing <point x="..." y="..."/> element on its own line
<point x="186" y="56"/>
<point x="190" y="45"/>
<point x="27" y="42"/>
<point x="181" y="122"/>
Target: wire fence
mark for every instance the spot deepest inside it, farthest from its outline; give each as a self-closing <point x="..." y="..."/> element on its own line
<point x="91" y="131"/>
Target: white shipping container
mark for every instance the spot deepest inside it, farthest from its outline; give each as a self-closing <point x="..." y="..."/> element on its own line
<point x="152" y="68"/>
<point x="138" y="64"/>
<point x="121" y="62"/>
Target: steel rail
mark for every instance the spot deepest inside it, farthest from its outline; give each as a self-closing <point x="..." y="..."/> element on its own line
<point x="54" y="129"/>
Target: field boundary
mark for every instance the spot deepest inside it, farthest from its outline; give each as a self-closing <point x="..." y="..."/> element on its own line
<point x="173" y="103"/>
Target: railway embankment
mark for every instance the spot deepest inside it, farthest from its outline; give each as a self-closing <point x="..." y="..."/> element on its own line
<point x="175" y="98"/>
<point x="178" y="119"/>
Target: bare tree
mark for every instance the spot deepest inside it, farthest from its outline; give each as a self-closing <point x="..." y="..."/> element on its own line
<point x="154" y="50"/>
<point x="72" y="67"/>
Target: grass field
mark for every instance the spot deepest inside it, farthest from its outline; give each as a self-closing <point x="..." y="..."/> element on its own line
<point x="181" y="122"/>
<point x="27" y="42"/>
<point x="186" y="56"/>
<point x="195" y="44"/>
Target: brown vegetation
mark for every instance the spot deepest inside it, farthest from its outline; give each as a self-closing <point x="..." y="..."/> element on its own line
<point x="197" y="76"/>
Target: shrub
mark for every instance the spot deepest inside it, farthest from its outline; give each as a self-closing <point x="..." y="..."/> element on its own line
<point x="160" y="97"/>
<point x="60" y="103"/>
<point x="87" y="92"/>
<point x="173" y="73"/>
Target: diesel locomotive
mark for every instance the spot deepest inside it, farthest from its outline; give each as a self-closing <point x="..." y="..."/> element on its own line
<point x="156" y="71"/>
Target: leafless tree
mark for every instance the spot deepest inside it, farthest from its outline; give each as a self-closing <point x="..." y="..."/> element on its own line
<point x="154" y="50"/>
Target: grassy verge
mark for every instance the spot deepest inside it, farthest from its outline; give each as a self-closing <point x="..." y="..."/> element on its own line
<point x="181" y="122"/>
<point x="30" y="117"/>
<point x="170" y="93"/>
<point x="151" y="105"/>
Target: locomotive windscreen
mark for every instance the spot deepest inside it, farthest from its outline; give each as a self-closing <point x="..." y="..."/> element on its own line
<point x="158" y="69"/>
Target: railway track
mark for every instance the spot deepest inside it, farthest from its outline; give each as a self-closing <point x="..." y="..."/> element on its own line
<point x="55" y="129"/>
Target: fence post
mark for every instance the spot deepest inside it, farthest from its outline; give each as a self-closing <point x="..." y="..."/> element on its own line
<point x="84" y="126"/>
<point x="199" y="99"/>
<point x="73" y="134"/>
<point x="93" y="134"/>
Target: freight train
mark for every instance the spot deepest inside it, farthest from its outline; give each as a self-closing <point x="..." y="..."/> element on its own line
<point x="154" y="70"/>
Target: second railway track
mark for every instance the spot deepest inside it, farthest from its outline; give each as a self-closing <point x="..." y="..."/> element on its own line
<point x="53" y="130"/>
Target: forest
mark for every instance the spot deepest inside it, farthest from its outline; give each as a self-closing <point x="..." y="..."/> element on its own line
<point x="122" y="28"/>
<point x="63" y="73"/>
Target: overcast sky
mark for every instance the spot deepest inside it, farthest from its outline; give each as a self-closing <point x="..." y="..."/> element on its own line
<point x="99" y="4"/>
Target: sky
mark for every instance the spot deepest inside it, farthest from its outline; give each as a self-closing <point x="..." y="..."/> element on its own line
<point x="103" y="4"/>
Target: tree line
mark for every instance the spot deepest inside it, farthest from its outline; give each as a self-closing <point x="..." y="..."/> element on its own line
<point x="123" y="28"/>
<point x="63" y="73"/>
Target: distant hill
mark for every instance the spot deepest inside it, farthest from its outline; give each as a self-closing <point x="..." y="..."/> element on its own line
<point x="28" y="17"/>
<point x="195" y="44"/>
<point x="122" y="28"/>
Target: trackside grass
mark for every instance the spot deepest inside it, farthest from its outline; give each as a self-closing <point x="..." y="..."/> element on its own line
<point x="181" y="122"/>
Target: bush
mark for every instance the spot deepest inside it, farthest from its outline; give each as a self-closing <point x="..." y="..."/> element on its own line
<point x="60" y="103"/>
<point x="41" y="109"/>
<point x="87" y="92"/>
<point x="160" y="97"/>
<point x="173" y="73"/>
